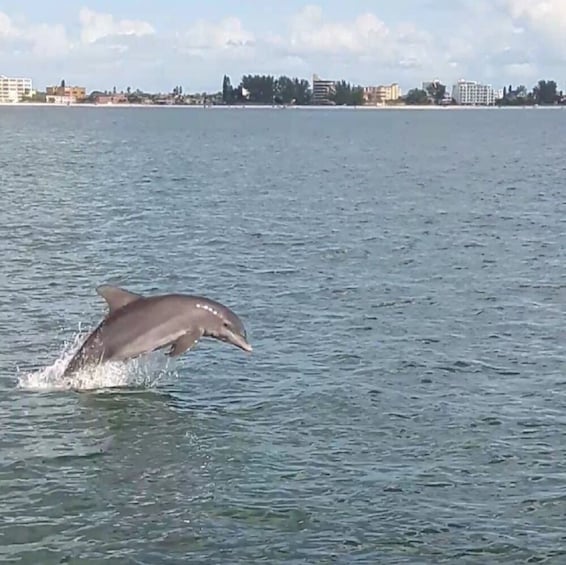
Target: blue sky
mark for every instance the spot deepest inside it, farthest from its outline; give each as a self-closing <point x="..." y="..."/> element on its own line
<point x="157" y="45"/>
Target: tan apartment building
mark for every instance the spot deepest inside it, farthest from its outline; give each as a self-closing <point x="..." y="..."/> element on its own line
<point x="65" y="94"/>
<point x="382" y="94"/>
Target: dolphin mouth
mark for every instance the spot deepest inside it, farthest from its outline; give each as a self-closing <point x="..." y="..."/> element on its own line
<point x="240" y="341"/>
<point x="242" y="344"/>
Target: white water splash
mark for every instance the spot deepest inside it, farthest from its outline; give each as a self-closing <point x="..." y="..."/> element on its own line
<point x="143" y="372"/>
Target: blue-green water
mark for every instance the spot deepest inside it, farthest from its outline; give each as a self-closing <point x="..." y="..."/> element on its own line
<point x="402" y="278"/>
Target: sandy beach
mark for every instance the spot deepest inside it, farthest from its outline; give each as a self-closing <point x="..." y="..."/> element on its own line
<point x="270" y="107"/>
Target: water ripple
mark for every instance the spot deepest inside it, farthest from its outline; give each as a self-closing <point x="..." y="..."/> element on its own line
<point x="405" y="299"/>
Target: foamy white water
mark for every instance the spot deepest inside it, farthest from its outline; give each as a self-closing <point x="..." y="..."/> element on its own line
<point x="144" y="371"/>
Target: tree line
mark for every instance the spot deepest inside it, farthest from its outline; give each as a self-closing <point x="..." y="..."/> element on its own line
<point x="283" y="90"/>
<point x="435" y="93"/>
<point x="545" y="92"/>
<point x="267" y="89"/>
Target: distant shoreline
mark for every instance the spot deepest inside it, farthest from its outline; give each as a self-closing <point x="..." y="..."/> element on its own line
<point x="272" y="107"/>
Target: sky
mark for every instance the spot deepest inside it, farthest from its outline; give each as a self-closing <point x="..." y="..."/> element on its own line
<point x="155" y="46"/>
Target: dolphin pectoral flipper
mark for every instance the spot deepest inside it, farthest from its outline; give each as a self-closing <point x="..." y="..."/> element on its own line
<point x="186" y="341"/>
<point x="116" y="297"/>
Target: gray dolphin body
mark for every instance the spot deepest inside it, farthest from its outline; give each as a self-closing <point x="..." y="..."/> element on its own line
<point x="136" y="325"/>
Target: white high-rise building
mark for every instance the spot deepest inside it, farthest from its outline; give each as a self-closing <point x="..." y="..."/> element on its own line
<point x="471" y="93"/>
<point x="14" y="89"/>
<point x="322" y="90"/>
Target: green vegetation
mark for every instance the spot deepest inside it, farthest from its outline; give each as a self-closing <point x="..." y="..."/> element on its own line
<point x="544" y="93"/>
<point x="266" y="89"/>
<point x="284" y="90"/>
<point x="227" y="90"/>
<point x="346" y="94"/>
<point x="417" y="96"/>
<point x="37" y="97"/>
<point x="292" y="91"/>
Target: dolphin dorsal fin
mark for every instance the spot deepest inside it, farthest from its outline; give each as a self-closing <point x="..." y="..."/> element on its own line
<point x="116" y="297"/>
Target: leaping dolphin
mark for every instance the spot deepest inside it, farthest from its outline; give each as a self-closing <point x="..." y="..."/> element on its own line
<point x="137" y="324"/>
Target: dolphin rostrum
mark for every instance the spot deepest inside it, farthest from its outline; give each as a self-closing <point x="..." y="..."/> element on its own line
<point x="137" y="324"/>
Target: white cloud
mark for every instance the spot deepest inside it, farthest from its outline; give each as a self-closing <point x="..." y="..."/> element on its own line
<point x="521" y="71"/>
<point x="365" y="36"/>
<point x="7" y="28"/>
<point x="547" y="18"/>
<point x="96" y="25"/>
<point x="310" y="33"/>
<point x="362" y="48"/>
<point x="42" y="40"/>
<point x="545" y="15"/>
<point x="489" y="40"/>
<point x="49" y="40"/>
<point x="226" y="34"/>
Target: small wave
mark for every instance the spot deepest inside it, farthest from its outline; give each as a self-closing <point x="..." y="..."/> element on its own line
<point x="144" y="372"/>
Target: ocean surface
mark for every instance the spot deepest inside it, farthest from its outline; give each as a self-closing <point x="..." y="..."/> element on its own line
<point x="402" y="276"/>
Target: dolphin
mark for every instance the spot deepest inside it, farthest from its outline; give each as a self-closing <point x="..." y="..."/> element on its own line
<point x="136" y="324"/>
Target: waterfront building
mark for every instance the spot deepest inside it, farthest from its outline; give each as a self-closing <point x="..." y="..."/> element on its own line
<point x="65" y="94"/>
<point x="322" y="90"/>
<point x="432" y="85"/>
<point x="472" y="93"/>
<point x="110" y="98"/>
<point x="14" y="89"/>
<point x="382" y="93"/>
